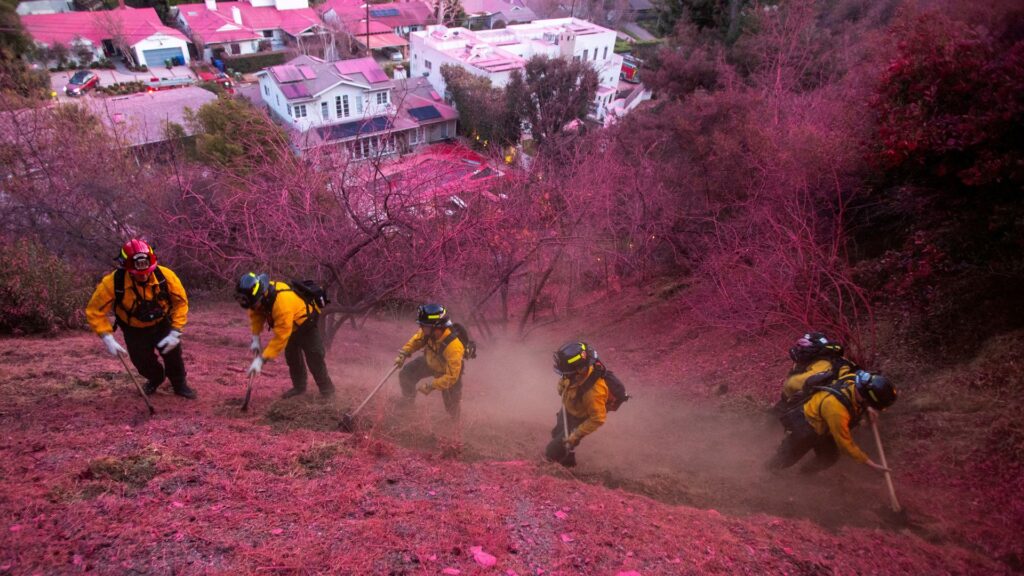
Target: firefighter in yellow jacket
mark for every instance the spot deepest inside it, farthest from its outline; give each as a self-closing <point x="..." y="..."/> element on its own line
<point x="151" y="308"/>
<point x="823" y="422"/>
<point x="584" y="401"/>
<point x="294" y="324"/>
<point x="817" y="361"/>
<point x="442" y="360"/>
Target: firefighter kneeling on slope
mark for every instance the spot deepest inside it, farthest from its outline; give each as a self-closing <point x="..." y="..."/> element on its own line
<point x="589" y="391"/>
<point x="151" y="308"/>
<point x="294" y="323"/>
<point x="443" y="359"/>
<point x="822" y="422"/>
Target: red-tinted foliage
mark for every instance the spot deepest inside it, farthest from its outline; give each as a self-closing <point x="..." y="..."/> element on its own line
<point x="951" y="105"/>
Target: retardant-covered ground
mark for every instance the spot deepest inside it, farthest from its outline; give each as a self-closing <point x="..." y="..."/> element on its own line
<point x="671" y="485"/>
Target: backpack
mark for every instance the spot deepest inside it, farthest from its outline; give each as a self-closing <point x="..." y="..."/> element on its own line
<point x="149" y="306"/>
<point x="835" y="389"/>
<point x="818" y="381"/>
<point x="310" y="292"/>
<point x="617" y="395"/>
<point x="459" y="331"/>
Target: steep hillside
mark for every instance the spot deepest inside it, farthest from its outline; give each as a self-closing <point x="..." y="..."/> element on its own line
<point x="672" y="484"/>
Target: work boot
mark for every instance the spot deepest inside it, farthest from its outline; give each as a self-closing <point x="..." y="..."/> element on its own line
<point x="327" y="393"/>
<point x="184" y="391"/>
<point x="150" y="388"/>
<point x="293" y="393"/>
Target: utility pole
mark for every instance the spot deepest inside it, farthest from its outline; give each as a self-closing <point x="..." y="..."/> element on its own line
<point x="368" y="53"/>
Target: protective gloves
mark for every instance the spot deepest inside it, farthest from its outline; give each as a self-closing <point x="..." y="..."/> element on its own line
<point x="400" y="360"/>
<point x="170" y="342"/>
<point x="112" y="346"/>
<point x="256" y="367"/>
<point x="255" y="346"/>
<point x="426" y="388"/>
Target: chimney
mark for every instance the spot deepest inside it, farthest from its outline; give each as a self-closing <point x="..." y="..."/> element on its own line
<point x="211" y="5"/>
<point x="236" y="14"/>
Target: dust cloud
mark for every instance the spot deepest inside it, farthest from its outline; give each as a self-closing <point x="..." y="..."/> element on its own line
<point x="659" y="444"/>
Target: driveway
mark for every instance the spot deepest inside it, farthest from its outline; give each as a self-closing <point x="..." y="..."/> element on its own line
<point x="637" y="31"/>
<point x="58" y="80"/>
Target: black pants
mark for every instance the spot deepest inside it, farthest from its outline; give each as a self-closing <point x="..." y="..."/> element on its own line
<point x="556" y="451"/>
<point x="141" y="344"/>
<point x="306" y="346"/>
<point x="801" y="439"/>
<point x="416" y="370"/>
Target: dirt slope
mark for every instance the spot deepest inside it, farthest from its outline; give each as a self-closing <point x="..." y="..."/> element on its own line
<point x="89" y="483"/>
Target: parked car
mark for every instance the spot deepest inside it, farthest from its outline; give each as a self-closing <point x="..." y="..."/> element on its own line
<point x="207" y="75"/>
<point x="394" y="55"/>
<point x="81" y="82"/>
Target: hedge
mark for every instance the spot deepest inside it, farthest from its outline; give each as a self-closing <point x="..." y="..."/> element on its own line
<point x="255" y="62"/>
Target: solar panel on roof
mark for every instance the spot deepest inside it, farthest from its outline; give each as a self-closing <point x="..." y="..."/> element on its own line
<point x="353" y="129"/>
<point x="424" y="113"/>
<point x="292" y="91"/>
<point x="384" y="12"/>
<point x="286" y="73"/>
<point x="307" y="72"/>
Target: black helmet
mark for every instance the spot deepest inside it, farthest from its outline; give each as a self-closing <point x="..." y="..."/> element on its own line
<point x="814" y="345"/>
<point x="573" y="357"/>
<point x="433" y="315"/>
<point x="875" y="389"/>
<point x="251" y="289"/>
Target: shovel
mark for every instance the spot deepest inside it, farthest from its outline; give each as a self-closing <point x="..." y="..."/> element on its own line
<point x="138" y="386"/>
<point x="893" y="502"/>
<point x="248" y="389"/>
<point x="569" y="460"/>
<point x="248" y="393"/>
<point x="348" y="420"/>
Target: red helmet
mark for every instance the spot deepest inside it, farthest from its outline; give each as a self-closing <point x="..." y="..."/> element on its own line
<point x="138" y="257"/>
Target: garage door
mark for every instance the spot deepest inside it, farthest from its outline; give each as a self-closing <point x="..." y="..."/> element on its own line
<point x="159" y="56"/>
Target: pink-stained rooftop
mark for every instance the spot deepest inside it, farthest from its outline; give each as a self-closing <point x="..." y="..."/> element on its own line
<point x="305" y="76"/>
<point x="218" y="25"/>
<point x="389" y="15"/>
<point x="135" y="24"/>
<point x="472" y="50"/>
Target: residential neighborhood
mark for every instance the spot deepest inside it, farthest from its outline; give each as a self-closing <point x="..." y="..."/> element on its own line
<point x="361" y="79"/>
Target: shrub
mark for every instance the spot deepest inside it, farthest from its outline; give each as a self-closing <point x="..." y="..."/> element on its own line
<point x="255" y="62"/>
<point x="38" y="291"/>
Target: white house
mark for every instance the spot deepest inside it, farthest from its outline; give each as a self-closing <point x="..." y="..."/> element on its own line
<point x="496" y="53"/>
<point x="247" y="27"/>
<point x="354" y="103"/>
<point x="137" y="32"/>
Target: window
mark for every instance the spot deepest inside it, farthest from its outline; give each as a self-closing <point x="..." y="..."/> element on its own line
<point x="266" y="89"/>
<point x="277" y="99"/>
<point x="236" y="49"/>
<point x="416" y="135"/>
<point x="585" y="58"/>
<point x="359" y="105"/>
<point x="337" y="107"/>
<point x="268" y="33"/>
<point x="325" y="111"/>
<point x="382" y="98"/>
<point x="576" y="58"/>
<point x="427" y="64"/>
<point x="300" y="110"/>
<point x="605" y="57"/>
<point x="344" y="105"/>
<point x="289" y="109"/>
<point x="595" y="54"/>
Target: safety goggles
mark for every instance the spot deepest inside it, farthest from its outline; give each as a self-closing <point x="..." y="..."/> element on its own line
<point x="140" y="262"/>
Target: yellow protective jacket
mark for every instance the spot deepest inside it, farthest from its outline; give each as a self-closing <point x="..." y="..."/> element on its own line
<point x="103" y="300"/>
<point x="288" y="312"/>
<point x="590" y="407"/>
<point x="827" y="415"/>
<point x="446" y="364"/>
<point x="820" y="372"/>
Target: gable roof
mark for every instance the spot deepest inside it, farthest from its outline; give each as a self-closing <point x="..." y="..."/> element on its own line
<point x="135" y="24"/>
<point x="389" y="15"/>
<point x="219" y="25"/>
<point x="305" y="76"/>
